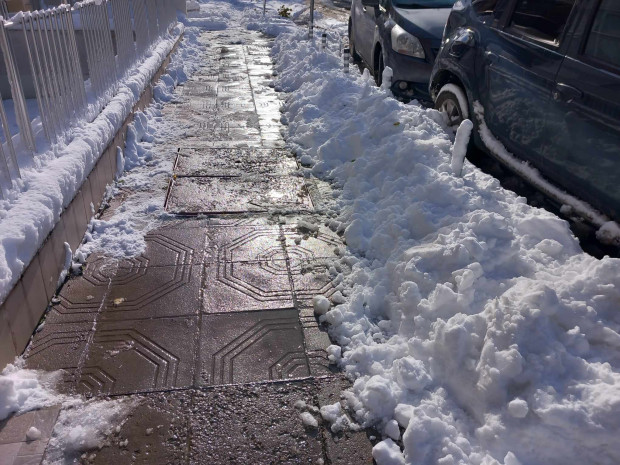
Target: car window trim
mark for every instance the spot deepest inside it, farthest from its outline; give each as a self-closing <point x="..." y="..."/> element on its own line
<point x="590" y="60"/>
<point x="562" y="41"/>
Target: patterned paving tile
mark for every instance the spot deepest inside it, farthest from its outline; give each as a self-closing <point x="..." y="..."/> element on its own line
<point x="251" y="346"/>
<point x="231" y="287"/>
<point x="311" y="278"/>
<point x="141" y="355"/>
<point x="244" y="243"/>
<point x="195" y="195"/>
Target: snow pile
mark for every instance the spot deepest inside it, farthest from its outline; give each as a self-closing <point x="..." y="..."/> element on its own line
<point x="473" y="320"/>
<point x="24" y="390"/>
<point x="86" y="427"/>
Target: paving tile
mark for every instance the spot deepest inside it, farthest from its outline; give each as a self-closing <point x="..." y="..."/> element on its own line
<point x="251" y="346"/>
<point x="345" y="447"/>
<point x="250" y="242"/>
<point x="59" y="347"/>
<point x="154" y="292"/>
<point x="140" y="355"/>
<point x="244" y="286"/>
<point x="233" y="162"/>
<point x="253" y="425"/>
<point x="316" y="342"/>
<point x="194" y="195"/>
<point x="311" y="278"/>
<point x="306" y="244"/>
<point x="8" y="453"/>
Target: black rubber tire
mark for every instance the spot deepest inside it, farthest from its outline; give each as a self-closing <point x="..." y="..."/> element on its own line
<point x="354" y="55"/>
<point x="379" y="69"/>
<point x="448" y="103"/>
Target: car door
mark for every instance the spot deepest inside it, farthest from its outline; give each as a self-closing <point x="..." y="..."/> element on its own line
<point x="364" y="29"/>
<point x="522" y="57"/>
<point x="588" y="88"/>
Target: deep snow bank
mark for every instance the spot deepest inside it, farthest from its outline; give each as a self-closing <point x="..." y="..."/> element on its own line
<point x="472" y="319"/>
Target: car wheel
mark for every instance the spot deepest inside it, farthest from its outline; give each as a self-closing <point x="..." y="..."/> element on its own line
<point x="452" y="102"/>
<point x="352" y="50"/>
<point x="379" y="67"/>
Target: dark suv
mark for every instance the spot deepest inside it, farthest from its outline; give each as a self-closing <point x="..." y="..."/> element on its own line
<point x="545" y="77"/>
<point x="402" y="34"/>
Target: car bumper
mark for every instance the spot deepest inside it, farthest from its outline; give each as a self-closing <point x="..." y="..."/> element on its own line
<point x="411" y="75"/>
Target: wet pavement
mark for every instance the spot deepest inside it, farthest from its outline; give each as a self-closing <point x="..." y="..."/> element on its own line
<point x="210" y="331"/>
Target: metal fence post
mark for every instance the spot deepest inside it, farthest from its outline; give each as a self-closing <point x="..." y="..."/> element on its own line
<point x="17" y="92"/>
<point x="323" y="41"/>
<point x="345" y="56"/>
<point x="311" y="23"/>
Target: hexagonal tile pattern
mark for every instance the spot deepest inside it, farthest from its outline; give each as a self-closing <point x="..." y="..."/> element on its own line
<point x="254" y="346"/>
<point x="244" y="286"/>
<point x="141" y="355"/>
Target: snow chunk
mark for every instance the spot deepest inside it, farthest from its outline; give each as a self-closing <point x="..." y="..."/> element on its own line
<point x="321" y="304"/>
<point x="387" y="452"/>
<point x="24" y="390"/>
<point x="459" y="149"/>
<point x="518" y="408"/>
<point x="392" y="430"/>
<point x="33" y="434"/>
<point x="308" y="420"/>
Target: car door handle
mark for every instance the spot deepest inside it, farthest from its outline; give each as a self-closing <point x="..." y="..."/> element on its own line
<point x="364" y="9"/>
<point x="491" y="57"/>
<point x="565" y="93"/>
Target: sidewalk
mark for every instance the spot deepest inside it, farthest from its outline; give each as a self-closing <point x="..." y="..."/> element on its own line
<point x="210" y="333"/>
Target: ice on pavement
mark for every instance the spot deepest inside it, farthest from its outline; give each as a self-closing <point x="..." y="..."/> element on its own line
<point x="473" y="319"/>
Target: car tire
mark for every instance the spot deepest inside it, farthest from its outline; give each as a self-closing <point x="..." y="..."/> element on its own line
<point x="380" y="66"/>
<point x="452" y="102"/>
<point x="354" y="55"/>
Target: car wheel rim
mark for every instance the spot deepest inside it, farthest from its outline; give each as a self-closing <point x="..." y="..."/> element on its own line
<point x="452" y="111"/>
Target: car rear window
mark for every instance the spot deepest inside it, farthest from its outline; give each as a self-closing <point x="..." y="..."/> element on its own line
<point x="604" y="40"/>
<point x="541" y="19"/>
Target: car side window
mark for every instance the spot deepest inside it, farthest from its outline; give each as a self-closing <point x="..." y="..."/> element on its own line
<point x="542" y="20"/>
<point x="491" y="8"/>
<point x="603" y="43"/>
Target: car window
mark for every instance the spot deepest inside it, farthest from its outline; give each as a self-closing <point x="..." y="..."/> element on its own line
<point x="489" y="9"/>
<point x="543" y="20"/>
<point x="604" y="41"/>
<point x="421" y="4"/>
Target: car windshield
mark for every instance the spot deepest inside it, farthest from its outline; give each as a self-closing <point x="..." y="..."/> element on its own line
<point x="423" y="3"/>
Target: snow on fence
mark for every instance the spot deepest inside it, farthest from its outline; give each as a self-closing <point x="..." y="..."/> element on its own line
<point x="115" y="34"/>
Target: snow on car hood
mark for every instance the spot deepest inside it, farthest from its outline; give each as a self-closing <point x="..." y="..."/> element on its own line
<point x="422" y="23"/>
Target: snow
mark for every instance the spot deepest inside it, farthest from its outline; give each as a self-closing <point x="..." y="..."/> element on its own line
<point x="24" y="390"/>
<point x="33" y="434"/>
<point x="459" y="149"/>
<point x="387" y="452"/>
<point x="472" y="319"/>
<point x="321" y="304"/>
<point x="51" y="179"/>
<point x="85" y="427"/>
<point x="308" y="420"/>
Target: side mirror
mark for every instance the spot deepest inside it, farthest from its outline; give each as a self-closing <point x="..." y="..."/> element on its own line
<point x="372" y="3"/>
<point x="464" y="41"/>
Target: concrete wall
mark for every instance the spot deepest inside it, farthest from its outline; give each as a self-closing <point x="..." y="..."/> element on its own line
<point x="26" y="304"/>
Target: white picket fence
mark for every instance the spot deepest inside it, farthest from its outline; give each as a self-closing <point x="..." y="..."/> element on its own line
<point x="49" y="39"/>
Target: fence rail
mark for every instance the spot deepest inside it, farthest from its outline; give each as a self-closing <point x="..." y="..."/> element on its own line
<point x="72" y="59"/>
